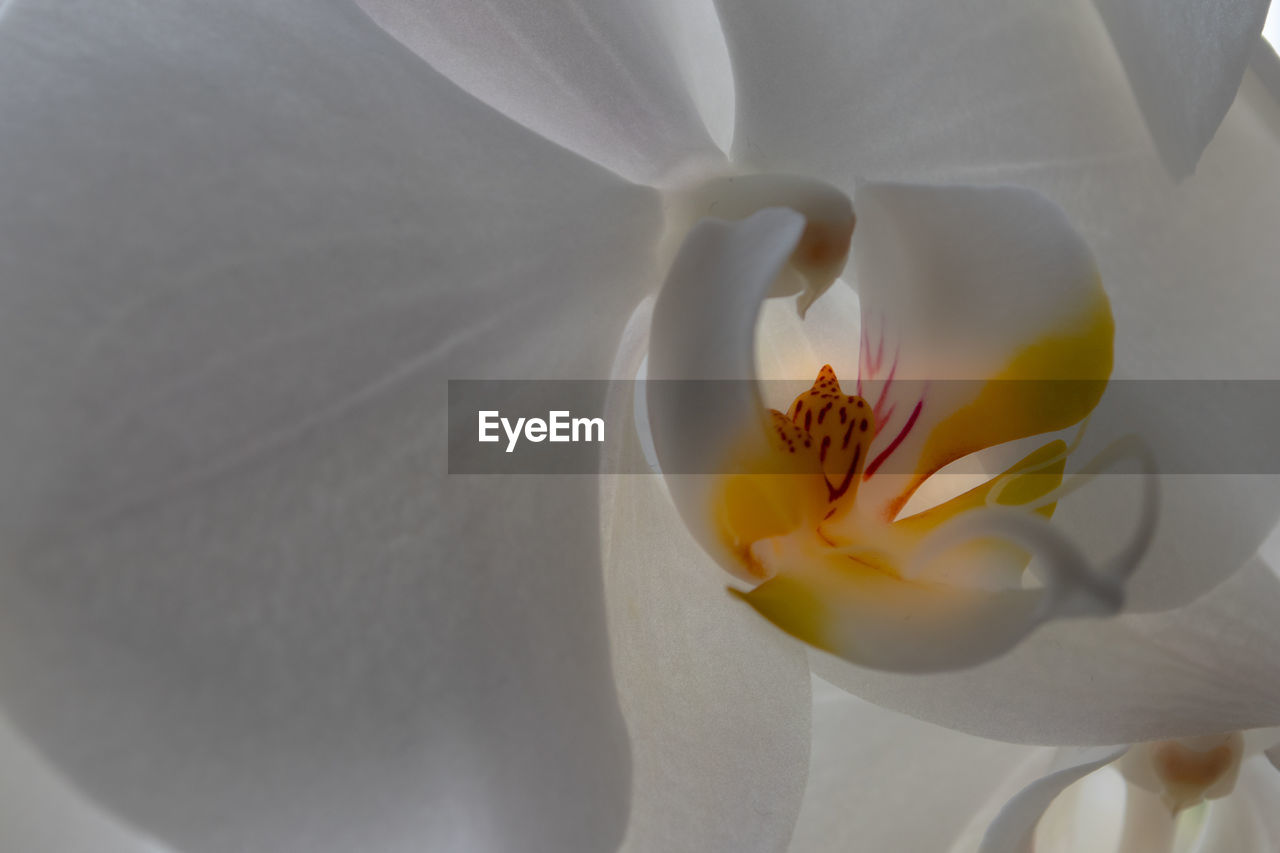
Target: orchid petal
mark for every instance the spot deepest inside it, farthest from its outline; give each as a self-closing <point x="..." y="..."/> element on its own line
<point x="1241" y="823"/>
<point x="925" y="90"/>
<point x="1265" y="64"/>
<point x="704" y="326"/>
<point x="611" y="81"/>
<point x="1141" y="822"/>
<point x="40" y="811"/>
<point x="1013" y="830"/>
<point x="863" y="615"/>
<point x="1273" y="755"/>
<point x="991" y="285"/>
<point x="716" y="701"/>
<point x="1259" y="792"/>
<point x="1148" y="827"/>
<point x="1205" y="668"/>
<point x="242" y="606"/>
<point x="872" y="772"/>
<point x="991" y="87"/>
<point x="1198" y="257"/>
<point x="1185" y="60"/>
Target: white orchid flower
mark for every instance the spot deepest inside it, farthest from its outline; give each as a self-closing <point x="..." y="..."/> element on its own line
<point x="873" y="772"/>
<point x="1167" y="799"/>
<point x="246" y="243"/>
<point x="1214" y="794"/>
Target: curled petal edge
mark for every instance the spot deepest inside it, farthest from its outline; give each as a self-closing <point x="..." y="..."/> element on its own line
<point x="1013" y="830"/>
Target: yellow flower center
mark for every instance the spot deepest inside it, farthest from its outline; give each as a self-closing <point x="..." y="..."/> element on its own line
<point x="800" y="503"/>
<point x="963" y="349"/>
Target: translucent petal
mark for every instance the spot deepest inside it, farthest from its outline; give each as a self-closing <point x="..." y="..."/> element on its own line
<point x="1241" y="823"/>
<point x="1265" y="64"/>
<point x="1260" y="790"/>
<point x="1184" y="60"/>
<point x="253" y="242"/>
<point x="874" y="773"/>
<point x="715" y="699"/>
<point x="1013" y="830"/>
<point x="967" y="283"/>
<point x="615" y="82"/>
<point x="925" y="90"/>
<point x="1190" y="271"/>
<point x="704" y="327"/>
<point x="40" y="811"/>
<point x="1202" y="669"/>
<point x="1090" y="816"/>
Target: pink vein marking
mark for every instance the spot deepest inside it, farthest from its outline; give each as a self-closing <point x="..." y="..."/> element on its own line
<point x="864" y="357"/>
<point x="834" y="494"/>
<point x="873" y="364"/>
<point x="866" y="364"/>
<point x="880" y="346"/>
<point x="898" y="439"/>
<point x="884" y="389"/>
<point x="883" y="424"/>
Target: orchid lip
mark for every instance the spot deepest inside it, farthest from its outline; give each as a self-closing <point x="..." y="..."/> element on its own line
<point x="802" y="521"/>
<point x="820" y="451"/>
